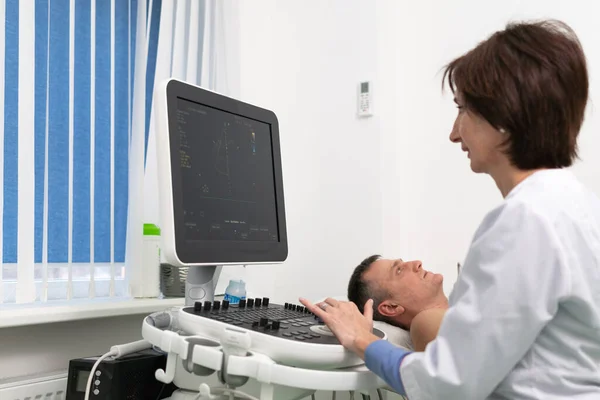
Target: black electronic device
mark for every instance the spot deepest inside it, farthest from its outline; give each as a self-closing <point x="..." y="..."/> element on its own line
<point x="220" y="184"/>
<point x="220" y="178"/>
<point x="294" y="322"/>
<point x="130" y="377"/>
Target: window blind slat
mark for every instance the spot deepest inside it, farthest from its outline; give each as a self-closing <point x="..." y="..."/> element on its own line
<point x="121" y="128"/>
<point x="45" y="286"/>
<point x="2" y="105"/>
<point x="131" y="57"/>
<point x="102" y="171"/>
<point x="41" y="76"/>
<point x="26" y="162"/>
<point x="11" y="132"/>
<point x="81" y="140"/>
<point x="71" y="134"/>
<point x="112" y="147"/>
<point x="92" y="291"/>
<point x="58" y="133"/>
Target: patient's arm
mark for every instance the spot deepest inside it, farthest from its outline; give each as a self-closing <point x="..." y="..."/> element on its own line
<point x="425" y="326"/>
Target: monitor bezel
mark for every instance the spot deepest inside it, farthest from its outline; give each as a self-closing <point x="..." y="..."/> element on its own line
<point x="217" y="252"/>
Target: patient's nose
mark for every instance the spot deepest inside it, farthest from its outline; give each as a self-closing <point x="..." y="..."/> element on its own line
<point x="416" y="265"/>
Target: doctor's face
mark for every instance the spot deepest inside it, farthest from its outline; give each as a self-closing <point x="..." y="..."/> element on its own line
<point x="410" y="287"/>
<point x="480" y="140"/>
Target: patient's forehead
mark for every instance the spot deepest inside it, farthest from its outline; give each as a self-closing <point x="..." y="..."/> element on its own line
<point x="379" y="270"/>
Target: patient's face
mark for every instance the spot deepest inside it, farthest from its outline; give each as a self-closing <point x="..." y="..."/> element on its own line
<point x="408" y="284"/>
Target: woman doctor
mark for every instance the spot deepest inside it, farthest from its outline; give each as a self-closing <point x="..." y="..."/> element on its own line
<point x="524" y="315"/>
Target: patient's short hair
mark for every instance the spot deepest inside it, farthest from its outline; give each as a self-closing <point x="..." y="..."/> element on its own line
<point x="360" y="290"/>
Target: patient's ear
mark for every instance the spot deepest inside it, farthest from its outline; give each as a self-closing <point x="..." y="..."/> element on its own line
<point x="389" y="308"/>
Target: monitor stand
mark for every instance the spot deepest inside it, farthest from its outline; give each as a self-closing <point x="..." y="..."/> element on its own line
<point x="201" y="283"/>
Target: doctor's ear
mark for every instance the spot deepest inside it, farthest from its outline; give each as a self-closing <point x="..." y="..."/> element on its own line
<point x="388" y="308"/>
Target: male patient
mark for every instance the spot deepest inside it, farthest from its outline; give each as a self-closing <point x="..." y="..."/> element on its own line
<point x="404" y="295"/>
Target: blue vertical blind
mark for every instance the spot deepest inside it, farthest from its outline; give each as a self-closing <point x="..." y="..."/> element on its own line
<point x="84" y="59"/>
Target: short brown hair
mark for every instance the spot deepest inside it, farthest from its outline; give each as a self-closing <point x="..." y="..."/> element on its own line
<point x="530" y="80"/>
<point x="360" y="291"/>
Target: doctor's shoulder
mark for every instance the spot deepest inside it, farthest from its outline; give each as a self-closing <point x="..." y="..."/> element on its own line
<point x="507" y="219"/>
<point x="538" y="202"/>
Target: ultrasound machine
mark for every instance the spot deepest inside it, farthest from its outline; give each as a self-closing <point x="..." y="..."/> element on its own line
<point x="222" y="203"/>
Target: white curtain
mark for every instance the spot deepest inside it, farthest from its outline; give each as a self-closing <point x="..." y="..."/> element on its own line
<point x="185" y="50"/>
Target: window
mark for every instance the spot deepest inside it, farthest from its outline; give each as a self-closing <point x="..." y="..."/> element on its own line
<point x="67" y="89"/>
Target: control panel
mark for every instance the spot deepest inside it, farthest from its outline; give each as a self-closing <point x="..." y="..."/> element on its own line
<point x="289" y="333"/>
<point x="287" y="321"/>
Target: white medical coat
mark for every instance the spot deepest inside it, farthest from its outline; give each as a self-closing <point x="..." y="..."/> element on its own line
<point x="524" y="316"/>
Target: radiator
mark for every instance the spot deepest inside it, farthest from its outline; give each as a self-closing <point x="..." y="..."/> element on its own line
<point x="44" y="388"/>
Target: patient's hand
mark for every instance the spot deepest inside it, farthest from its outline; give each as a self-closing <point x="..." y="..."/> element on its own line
<point x="425" y="326"/>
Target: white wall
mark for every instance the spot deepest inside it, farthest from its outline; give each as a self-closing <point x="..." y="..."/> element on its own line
<point x="432" y="202"/>
<point x="47" y="348"/>
<point x="304" y="60"/>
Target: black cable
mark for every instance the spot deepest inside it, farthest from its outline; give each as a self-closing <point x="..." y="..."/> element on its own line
<point x="161" y="390"/>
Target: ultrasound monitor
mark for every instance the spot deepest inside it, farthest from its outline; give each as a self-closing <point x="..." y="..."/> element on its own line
<point x="220" y="184"/>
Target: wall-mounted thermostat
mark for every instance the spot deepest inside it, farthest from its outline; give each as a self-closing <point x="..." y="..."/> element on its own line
<point x="365" y="99"/>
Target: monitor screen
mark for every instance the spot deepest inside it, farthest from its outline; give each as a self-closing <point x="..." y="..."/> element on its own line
<point x="220" y="179"/>
<point x="226" y="175"/>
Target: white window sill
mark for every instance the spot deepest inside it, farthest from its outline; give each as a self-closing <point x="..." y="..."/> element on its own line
<point x="34" y="314"/>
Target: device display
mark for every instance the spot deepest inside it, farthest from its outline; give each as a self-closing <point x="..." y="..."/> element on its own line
<point x="220" y="180"/>
<point x="227" y="175"/>
<point x="82" y="377"/>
